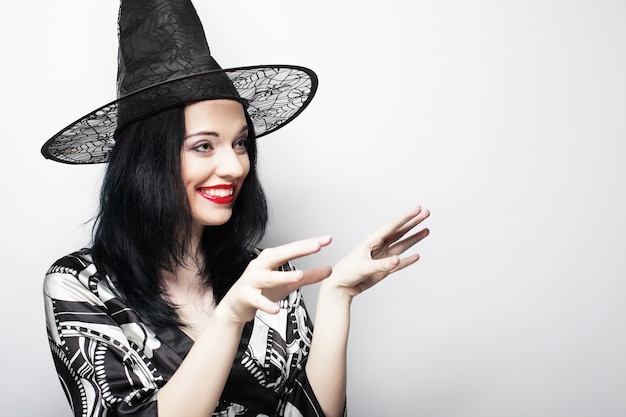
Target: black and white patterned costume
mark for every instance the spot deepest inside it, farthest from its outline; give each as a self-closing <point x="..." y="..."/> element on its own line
<point x="110" y="362"/>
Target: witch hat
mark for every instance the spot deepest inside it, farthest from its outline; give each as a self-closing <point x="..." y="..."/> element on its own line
<point x="164" y="61"/>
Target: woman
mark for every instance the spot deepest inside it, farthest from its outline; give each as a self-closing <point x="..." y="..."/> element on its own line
<point x="173" y="311"/>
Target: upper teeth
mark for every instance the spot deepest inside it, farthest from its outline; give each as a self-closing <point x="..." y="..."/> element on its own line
<point x="218" y="192"/>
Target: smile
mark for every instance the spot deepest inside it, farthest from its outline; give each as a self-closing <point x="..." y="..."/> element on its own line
<point x="219" y="194"/>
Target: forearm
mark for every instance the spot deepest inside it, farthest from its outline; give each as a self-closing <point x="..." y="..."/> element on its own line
<point x="326" y="365"/>
<point x="197" y="385"/>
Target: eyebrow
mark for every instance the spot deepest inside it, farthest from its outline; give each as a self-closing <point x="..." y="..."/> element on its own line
<point x="210" y="133"/>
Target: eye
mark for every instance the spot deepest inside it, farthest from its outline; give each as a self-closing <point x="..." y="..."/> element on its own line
<point x="241" y="145"/>
<point x="203" y="147"/>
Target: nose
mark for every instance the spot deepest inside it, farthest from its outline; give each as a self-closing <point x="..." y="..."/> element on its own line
<point x="231" y="164"/>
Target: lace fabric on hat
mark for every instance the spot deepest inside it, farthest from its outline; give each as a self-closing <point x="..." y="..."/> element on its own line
<point x="274" y="96"/>
<point x="164" y="61"/>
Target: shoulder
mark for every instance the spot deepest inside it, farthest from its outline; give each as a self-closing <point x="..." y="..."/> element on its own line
<point x="73" y="264"/>
<point x="74" y="277"/>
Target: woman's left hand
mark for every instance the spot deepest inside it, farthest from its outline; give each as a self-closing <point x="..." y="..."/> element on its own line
<point x="378" y="255"/>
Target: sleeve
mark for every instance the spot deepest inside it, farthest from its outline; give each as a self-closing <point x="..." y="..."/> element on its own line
<point x="299" y="399"/>
<point x="102" y="372"/>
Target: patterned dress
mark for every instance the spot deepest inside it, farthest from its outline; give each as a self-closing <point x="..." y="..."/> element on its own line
<point x="111" y="363"/>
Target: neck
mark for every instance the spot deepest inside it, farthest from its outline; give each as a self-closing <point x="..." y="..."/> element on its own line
<point x="186" y="273"/>
<point x="196" y="236"/>
<point x="181" y="276"/>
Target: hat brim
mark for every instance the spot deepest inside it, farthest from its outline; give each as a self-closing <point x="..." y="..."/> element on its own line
<point x="275" y="95"/>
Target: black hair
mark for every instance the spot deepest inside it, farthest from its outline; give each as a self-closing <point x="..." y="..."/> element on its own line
<point x="144" y="221"/>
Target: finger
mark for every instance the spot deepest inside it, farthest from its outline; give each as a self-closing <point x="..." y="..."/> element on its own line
<point x="273" y="279"/>
<point x="404" y="262"/>
<point x="398" y="227"/>
<point x="263" y="303"/>
<point x="393" y="264"/>
<point x="310" y="276"/>
<point x="407" y="227"/>
<point x="402" y="246"/>
<point x="272" y="258"/>
<point x="314" y="275"/>
<point x="420" y="217"/>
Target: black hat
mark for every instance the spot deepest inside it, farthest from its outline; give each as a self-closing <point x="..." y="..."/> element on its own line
<point x="164" y="62"/>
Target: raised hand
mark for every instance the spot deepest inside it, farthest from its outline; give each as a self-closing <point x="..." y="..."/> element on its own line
<point x="378" y="255"/>
<point x="261" y="284"/>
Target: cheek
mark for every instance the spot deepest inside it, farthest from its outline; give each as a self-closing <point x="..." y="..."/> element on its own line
<point x="190" y="180"/>
<point x="243" y="160"/>
<point x="183" y="168"/>
<point x="192" y="169"/>
<point x="246" y="166"/>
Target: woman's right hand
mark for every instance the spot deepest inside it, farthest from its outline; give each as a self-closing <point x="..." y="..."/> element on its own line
<point x="262" y="285"/>
<point x="196" y="386"/>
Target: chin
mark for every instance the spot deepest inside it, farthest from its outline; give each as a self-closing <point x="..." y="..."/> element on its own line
<point x="214" y="220"/>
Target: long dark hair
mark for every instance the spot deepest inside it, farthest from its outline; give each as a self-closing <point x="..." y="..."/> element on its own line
<point x="144" y="220"/>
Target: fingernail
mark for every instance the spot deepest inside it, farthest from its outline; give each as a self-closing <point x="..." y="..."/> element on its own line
<point x="326" y="238"/>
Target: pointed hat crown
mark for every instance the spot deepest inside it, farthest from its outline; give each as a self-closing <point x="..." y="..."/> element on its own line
<point x="164" y="61"/>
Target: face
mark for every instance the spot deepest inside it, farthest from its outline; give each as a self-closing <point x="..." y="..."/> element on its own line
<point x="214" y="159"/>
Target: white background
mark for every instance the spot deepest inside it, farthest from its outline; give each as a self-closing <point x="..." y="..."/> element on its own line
<point x="505" y="118"/>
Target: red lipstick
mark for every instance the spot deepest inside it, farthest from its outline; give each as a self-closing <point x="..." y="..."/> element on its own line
<point x="217" y="195"/>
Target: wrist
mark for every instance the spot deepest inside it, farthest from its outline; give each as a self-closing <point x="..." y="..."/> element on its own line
<point x="224" y="316"/>
<point x="335" y="292"/>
